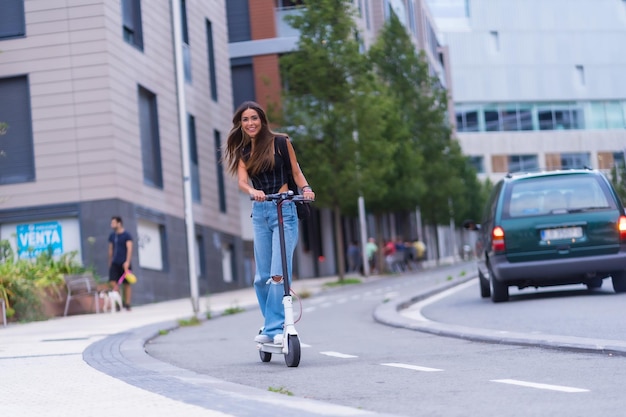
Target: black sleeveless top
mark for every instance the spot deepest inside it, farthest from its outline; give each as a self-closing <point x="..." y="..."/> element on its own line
<point x="271" y="180"/>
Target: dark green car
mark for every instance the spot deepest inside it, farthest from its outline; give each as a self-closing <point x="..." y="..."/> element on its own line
<point x="551" y="228"/>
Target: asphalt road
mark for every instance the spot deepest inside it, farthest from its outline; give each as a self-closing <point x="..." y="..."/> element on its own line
<point x="561" y="310"/>
<point x="350" y="359"/>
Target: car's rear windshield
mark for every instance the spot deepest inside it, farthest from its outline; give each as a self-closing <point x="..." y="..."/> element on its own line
<point x="556" y="194"/>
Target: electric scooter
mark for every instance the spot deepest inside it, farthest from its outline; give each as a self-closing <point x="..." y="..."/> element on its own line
<point x="290" y="346"/>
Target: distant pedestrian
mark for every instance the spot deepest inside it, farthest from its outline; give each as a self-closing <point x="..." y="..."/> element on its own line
<point x="389" y="250"/>
<point x="371" y="248"/>
<point x="120" y="254"/>
<point x="354" y="257"/>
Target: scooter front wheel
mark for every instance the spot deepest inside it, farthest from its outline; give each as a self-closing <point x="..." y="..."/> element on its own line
<point x="292" y="358"/>
<point x="265" y="356"/>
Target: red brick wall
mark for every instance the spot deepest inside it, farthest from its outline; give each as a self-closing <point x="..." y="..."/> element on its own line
<point x="267" y="81"/>
<point x="262" y="20"/>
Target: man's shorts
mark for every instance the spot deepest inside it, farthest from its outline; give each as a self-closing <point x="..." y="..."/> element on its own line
<point x="115" y="272"/>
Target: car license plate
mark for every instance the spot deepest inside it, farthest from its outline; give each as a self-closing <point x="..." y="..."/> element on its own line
<point x="562" y="233"/>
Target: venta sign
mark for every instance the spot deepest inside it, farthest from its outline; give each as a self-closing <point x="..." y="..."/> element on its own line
<point x="33" y="239"/>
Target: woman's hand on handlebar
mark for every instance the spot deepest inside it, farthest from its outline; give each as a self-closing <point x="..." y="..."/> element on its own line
<point x="308" y="194"/>
<point x="257" y="195"/>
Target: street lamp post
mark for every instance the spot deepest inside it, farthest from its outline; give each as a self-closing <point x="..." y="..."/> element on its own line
<point x="362" y="216"/>
<point x="184" y="148"/>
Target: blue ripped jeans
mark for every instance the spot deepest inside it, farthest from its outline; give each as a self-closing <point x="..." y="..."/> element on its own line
<point x="268" y="259"/>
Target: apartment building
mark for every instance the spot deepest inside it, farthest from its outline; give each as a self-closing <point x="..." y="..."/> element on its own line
<point x="537" y="84"/>
<point x="88" y="89"/>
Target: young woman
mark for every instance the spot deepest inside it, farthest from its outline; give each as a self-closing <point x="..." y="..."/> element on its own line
<point x="252" y="153"/>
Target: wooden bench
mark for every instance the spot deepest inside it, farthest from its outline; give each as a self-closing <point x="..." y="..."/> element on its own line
<point x="82" y="285"/>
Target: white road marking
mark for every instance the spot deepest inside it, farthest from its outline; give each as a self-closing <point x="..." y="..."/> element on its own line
<point x="414" y="311"/>
<point x="304" y="345"/>
<point x="412" y="367"/>
<point x="342" y="300"/>
<point x="308" y="309"/>
<point x="540" y="386"/>
<point x="326" y="305"/>
<point x="338" y="355"/>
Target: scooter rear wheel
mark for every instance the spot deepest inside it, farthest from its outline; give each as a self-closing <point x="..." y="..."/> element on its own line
<point x="292" y="358"/>
<point x="265" y="356"/>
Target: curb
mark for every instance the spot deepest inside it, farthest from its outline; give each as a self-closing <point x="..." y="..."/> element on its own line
<point x="389" y="314"/>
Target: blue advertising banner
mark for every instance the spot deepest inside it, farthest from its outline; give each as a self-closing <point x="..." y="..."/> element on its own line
<point x="33" y="239"/>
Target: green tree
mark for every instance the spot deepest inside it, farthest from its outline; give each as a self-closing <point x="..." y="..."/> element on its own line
<point x="618" y="178"/>
<point x="329" y="95"/>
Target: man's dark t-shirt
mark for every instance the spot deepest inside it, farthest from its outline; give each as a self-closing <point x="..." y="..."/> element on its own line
<point x="119" y="246"/>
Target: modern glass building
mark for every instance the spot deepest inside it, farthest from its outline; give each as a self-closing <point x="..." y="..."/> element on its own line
<point x="537" y="84"/>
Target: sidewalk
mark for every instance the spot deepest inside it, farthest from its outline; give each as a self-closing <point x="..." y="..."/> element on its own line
<point x="44" y="369"/>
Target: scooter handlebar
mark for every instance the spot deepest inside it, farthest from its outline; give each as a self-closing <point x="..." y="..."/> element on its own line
<point x="287" y="195"/>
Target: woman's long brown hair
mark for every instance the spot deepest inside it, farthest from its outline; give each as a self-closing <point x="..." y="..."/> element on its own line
<point x="262" y="149"/>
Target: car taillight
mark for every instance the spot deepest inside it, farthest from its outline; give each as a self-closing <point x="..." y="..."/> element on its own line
<point x="497" y="239"/>
<point x="621" y="226"/>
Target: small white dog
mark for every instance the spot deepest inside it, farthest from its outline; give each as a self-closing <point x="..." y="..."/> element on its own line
<point x="112" y="299"/>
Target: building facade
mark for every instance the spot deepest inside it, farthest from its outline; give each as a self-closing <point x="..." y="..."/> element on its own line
<point x="89" y="95"/>
<point x="537" y="84"/>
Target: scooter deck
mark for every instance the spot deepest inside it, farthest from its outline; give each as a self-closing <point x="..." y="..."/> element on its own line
<point x="270" y="348"/>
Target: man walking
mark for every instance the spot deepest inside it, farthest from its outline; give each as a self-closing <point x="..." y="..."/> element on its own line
<point x="120" y="254"/>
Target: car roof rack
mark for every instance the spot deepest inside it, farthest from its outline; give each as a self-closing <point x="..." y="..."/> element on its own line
<point x="541" y="170"/>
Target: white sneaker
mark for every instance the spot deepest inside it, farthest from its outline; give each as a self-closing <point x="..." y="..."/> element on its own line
<point x="262" y="338"/>
<point x="278" y="339"/>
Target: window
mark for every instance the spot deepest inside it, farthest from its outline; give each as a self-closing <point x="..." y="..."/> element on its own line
<point x="17" y="158"/>
<point x="211" y="54"/>
<point x="238" y="15"/>
<point x="193" y="158"/>
<point x="220" y="171"/>
<point x="242" y="80"/>
<point x="477" y="163"/>
<point x="131" y="23"/>
<point x="508" y="115"/>
<point x="185" y="36"/>
<point x="150" y="239"/>
<point x="12" y="21"/>
<point x="574" y="160"/>
<point x="519" y="163"/>
<point x="467" y="120"/>
<point x="499" y="163"/>
<point x="150" y="142"/>
<point x="200" y="256"/>
<point x="229" y="266"/>
<point x="492" y="120"/>
<point x="525" y="117"/>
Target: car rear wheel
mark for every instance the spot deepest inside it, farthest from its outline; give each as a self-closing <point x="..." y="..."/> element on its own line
<point x="499" y="290"/>
<point x="619" y="281"/>
<point x="594" y="283"/>
<point x="485" y="291"/>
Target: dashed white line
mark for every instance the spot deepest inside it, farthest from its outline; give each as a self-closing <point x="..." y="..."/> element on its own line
<point x="338" y="355"/>
<point x="412" y="367"/>
<point x="540" y="386"/>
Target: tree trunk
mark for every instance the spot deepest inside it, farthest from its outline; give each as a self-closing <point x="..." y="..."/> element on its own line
<point x="341" y="260"/>
<point x="381" y="266"/>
